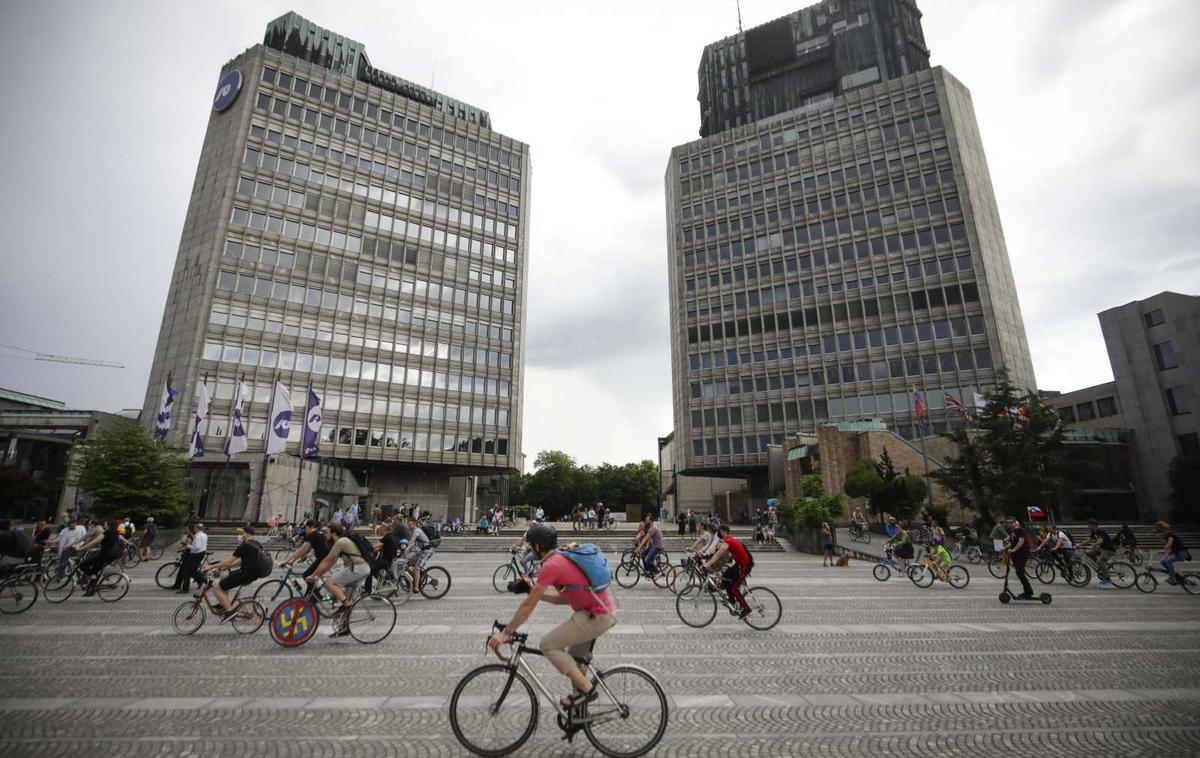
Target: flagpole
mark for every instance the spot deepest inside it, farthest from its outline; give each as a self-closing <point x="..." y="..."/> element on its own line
<point x="300" y="468"/>
<point x="262" y="480"/>
<point x="191" y="447"/>
<point x="924" y="453"/>
<point x="225" y="489"/>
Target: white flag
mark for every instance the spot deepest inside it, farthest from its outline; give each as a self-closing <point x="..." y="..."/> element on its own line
<point x="279" y="423"/>
<point x="202" y="399"/>
<point x="979" y="400"/>
<point x="237" y="442"/>
<point x="162" y="422"/>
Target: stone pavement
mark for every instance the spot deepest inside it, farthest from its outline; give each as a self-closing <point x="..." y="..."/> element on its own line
<point x="856" y="668"/>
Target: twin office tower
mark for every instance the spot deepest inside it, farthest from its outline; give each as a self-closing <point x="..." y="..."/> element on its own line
<point x="833" y="242"/>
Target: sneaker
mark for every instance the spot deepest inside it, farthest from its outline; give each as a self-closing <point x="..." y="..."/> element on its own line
<point x="744" y="613"/>
<point x="577" y="698"/>
<point x="1106" y="583"/>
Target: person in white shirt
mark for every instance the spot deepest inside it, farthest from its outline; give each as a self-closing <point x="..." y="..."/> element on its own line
<point x="591" y="518"/>
<point x="1060" y="546"/>
<point x="193" y="557"/>
<point x="69" y="538"/>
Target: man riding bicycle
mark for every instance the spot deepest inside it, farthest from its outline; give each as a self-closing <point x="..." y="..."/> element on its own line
<point x="1060" y="546"/>
<point x="108" y="546"/>
<point x="355" y="568"/>
<point x="593" y="614"/>
<point x="901" y="544"/>
<point x="737" y="572"/>
<point x="314" y="542"/>
<point x="1101" y="550"/>
<point x="420" y="551"/>
<point x="650" y="544"/>
<point x="243" y="567"/>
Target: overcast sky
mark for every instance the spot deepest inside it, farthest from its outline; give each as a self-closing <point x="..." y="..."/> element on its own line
<point x="1089" y="111"/>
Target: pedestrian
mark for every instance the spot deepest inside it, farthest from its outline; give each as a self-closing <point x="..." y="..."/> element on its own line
<point x="193" y="558"/>
<point x="148" y="536"/>
<point x="681" y="520"/>
<point x="691" y="517"/>
<point x="354" y="514"/>
<point x="337" y="516"/>
<point x="826" y="544"/>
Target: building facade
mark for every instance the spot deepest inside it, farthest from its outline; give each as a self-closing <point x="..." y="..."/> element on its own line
<point x="807" y="56"/>
<point x="825" y="261"/>
<point x="1154" y="348"/>
<point x="365" y="236"/>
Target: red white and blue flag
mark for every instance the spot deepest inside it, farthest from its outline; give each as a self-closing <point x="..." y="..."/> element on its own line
<point x="919" y="405"/>
<point x="951" y="402"/>
<point x="1035" y="512"/>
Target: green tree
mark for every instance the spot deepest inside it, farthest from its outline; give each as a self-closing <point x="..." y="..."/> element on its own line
<point x="1183" y="474"/>
<point x="899" y="494"/>
<point x="128" y="473"/>
<point x="813" y="506"/>
<point x="1015" y="458"/>
<point x="863" y="480"/>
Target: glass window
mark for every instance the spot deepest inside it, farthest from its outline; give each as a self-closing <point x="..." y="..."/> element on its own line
<point x="1155" y="317"/>
<point x="1177" y="400"/>
<point x="1085" y="411"/>
<point x="1106" y="406"/>
<point x="1164" y="355"/>
<point x="1067" y="414"/>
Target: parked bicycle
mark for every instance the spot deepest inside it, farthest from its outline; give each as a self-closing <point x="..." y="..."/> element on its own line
<point x="697" y="604"/>
<point x="246" y="616"/>
<point x="165" y="576"/>
<point x="494" y="709"/>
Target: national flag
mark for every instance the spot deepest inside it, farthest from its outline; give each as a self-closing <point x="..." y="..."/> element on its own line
<point x="979" y="400"/>
<point x="237" y="442"/>
<point x="951" y="402"/>
<point x="279" y="422"/>
<point x="1035" y="512"/>
<point x="919" y="405"/>
<point x="202" y="401"/>
<point x="162" y="422"/>
<point x="310" y="441"/>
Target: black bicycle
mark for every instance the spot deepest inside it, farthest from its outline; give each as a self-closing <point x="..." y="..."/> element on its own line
<point x="19" y="587"/>
<point x="507" y="573"/>
<point x="494" y="708"/>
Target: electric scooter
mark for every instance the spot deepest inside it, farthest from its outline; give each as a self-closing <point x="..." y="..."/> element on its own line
<point x="1007" y="596"/>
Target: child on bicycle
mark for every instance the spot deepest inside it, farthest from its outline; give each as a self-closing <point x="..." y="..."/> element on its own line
<point x="940" y="557"/>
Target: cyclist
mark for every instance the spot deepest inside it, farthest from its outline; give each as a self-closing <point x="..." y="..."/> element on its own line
<point x="69" y="537"/>
<point x="149" y="534"/>
<point x="1060" y="546"/>
<point x="355" y="568"/>
<point x="314" y="542"/>
<point x="902" y="545"/>
<point x="386" y="548"/>
<point x="108" y="549"/>
<point x="527" y="558"/>
<point x="1101" y="551"/>
<point x="420" y="551"/>
<point x="1019" y="544"/>
<point x="737" y="572"/>
<point x="1173" y="550"/>
<point x="243" y="567"/>
<point x="593" y="614"/>
<point x="1127" y="541"/>
<point x="858" y="522"/>
<point x="940" y="557"/>
<point x="650" y="544"/>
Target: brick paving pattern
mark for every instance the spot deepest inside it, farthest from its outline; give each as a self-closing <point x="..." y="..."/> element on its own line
<point x="855" y="668"/>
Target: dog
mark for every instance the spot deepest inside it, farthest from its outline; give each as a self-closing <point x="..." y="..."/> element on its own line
<point x="844" y="560"/>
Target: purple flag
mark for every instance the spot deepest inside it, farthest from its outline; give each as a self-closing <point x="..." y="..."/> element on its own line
<point x="202" y="402"/>
<point x="310" y="443"/>
<point x="237" y="442"/>
<point x="162" y="422"/>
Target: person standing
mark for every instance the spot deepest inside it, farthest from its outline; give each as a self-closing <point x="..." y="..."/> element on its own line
<point x="149" y="534"/>
<point x="1020" y="542"/>
<point x="337" y="516"/>
<point x="826" y="545"/>
<point x="681" y="520"/>
<point x="691" y="518"/>
<point x="193" y="557"/>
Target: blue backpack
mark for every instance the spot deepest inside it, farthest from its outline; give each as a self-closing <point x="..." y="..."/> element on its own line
<point x="594" y="566"/>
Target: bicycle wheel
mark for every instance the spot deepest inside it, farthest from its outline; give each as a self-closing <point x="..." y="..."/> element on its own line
<point x="502" y="577"/>
<point x="661" y="560"/>
<point x="272" y="593"/>
<point x="156" y="552"/>
<point x="629" y="715"/>
<point x="696" y="606"/>
<point x="662" y="578"/>
<point x="1045" y="572"/>
<point x="1079" y="575"/>
<point x="1146" y="582"/>
<point x="132" y="559"/>
<point x="1190" y="582"/>
<point x="921" y="576"/>
<point x="435" y="582"/>
<point x="881" y="572"/>
<point x="765" y="608"/>
<point x="1121" y="574"/>
<point x="372" y="619"/>
<point x="627" y="574"/>
<point x="18" y="594"/>
<point x="294" y="622"/>
<point x="188" y="617"/>
<point x="112" y="587"/>
<point x="996" y="567"/>
<point x="974" y="555"/>
<point x="493" y="710"/>
<point x="958" y="577"/>
<point x="60" y="588"/>
<point x="165" y="576"/>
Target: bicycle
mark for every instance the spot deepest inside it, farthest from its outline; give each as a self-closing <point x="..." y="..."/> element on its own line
<point x="860" y="533"/>
<point x="19" y="588"/>
<point x="494" y="709"/>
<point x="435" y="581"/>
<point x="631" y="569"/>
<point x="924" y="573"/>
<point x="1121" y="574"/>
<point x="507" y="573"/>
<point x="109" y="587"/>
<point x="246" y="617"/>
<point x="998" y="564"/>
<point x="165" y="576"/>
<point x="960" y="550"/>
<point x="1189" y="580"/>
<point x="370" y="618"/>
<point x="696" y="604"/>
<point x="1074" y="571"/>
<point x="887" y="566"/>
<point x="292" y="585"/>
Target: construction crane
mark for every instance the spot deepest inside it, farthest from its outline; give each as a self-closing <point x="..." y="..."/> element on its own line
<point x="12" y="351"/>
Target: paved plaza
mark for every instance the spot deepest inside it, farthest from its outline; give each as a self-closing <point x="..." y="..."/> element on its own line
<point x="855" y="668"/>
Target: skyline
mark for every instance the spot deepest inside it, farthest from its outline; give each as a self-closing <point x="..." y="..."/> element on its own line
<point x="1043" y="112"/>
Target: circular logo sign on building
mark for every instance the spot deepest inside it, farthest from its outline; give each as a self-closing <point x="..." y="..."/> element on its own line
<point x="227" y="90"/>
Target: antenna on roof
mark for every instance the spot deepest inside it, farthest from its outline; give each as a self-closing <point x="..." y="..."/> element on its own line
<point x="739" y="9"/>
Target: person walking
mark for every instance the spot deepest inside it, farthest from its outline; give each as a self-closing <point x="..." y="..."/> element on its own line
<point x="193" y="557"/>
<point x="681" y="520"/>
<point x="691" y="519"/>
<point x="826" y="545"/>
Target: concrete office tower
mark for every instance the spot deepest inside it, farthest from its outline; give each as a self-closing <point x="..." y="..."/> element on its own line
<point x="364" y="234"/>
<point x="810" y="55"/>
<point x="826" y="260"/>
<point x="1154" y="348"/>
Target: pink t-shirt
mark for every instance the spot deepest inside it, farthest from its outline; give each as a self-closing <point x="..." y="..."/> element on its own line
<point x="558" y="570"/>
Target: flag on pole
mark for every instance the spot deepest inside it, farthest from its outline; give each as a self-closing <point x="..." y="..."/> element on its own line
<point x="162" y="422"/>
<point x="310" y="441"/>
<point x="280" y="420"/>
<point x="237" y="442"/>
<point x="979" y="400"/>
<point x="951" y="402"/>
<point x="919" y="405"/>
<point x="1035" y="512"/>
<point x="202" y="400"/>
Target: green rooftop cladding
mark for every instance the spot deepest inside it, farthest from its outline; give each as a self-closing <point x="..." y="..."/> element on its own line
<point x="294" y="35"/>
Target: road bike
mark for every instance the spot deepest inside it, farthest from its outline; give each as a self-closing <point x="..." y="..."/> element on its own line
<point x="924" y="573"/>
<point x="19" y="587"/>
<point x="110" y="586"/>
<point x="494" y="709"/>
<point x="859" y="533"/>
<point x="246" y="616"/>
<point x="631" y="569"/>
<point x="697" y="604"/>
<point x="1189" y="580"/>
<point x="507" y="573"/>
<point x="369" y="618"/>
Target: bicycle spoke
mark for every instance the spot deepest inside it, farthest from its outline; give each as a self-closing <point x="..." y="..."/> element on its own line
<point x="629" y="715"/>
<point x="484" y="724"/>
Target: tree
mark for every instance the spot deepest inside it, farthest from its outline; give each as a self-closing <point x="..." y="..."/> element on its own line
<point x="863" y="480"/>
<point x="813" y="506"/>
<point x="129" y="474"/>
<point x="886" y="490"/>
<point x="1183" y="474"/>
<point x="1014" y="459"/>
<point x="558" y="483"/>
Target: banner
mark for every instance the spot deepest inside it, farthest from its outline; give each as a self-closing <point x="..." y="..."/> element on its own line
<point x="162" y="422"/>
<point x="919" y="405"/>
<point x="202" y="400"/>
<point x="237" y="442"/>
<point x="279" y="423"/>
<point x="311" y="439"/>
